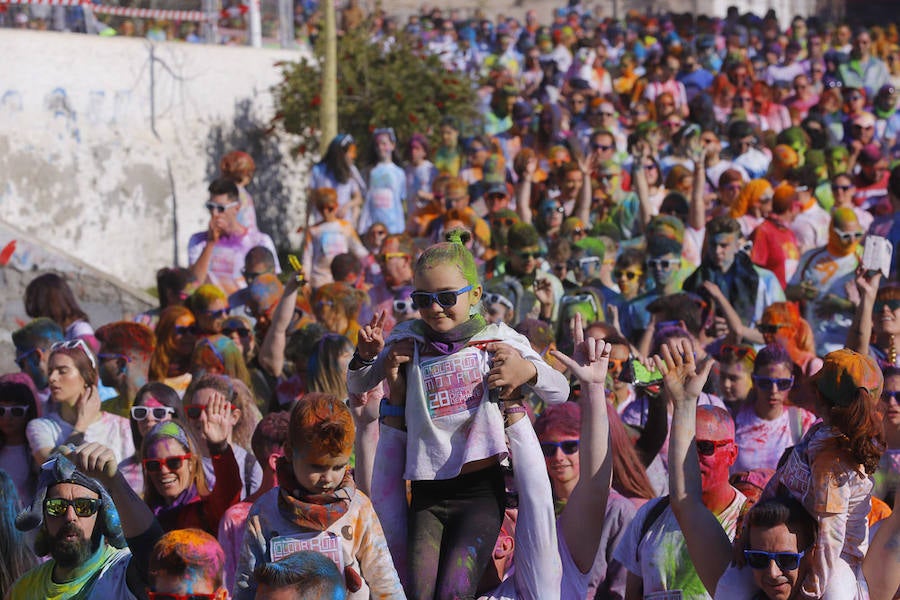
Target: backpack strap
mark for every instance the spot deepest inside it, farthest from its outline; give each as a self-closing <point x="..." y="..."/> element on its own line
<point x="652" y="516"/>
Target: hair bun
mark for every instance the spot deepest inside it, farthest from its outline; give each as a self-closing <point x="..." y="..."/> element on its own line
<point x="458" y="236"/>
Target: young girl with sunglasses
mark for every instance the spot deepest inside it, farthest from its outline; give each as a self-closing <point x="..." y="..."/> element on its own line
<point x="73" y="380"/>
<point x="765" y="426"/>
<point x="175" y="488"/>
<point x="449" y="375"/>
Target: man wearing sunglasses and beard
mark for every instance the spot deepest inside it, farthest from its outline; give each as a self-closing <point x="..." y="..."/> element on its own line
<point x="87" y="531"/>
<point x="821" y="281"/>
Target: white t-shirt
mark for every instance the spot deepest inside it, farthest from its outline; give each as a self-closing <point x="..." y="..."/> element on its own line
<point x="738" y="584"/>
<point x="761" y="443"/>
<point x="661" y="557"/>
<point x="111" y="430"/>
<point x="227" y="259"/>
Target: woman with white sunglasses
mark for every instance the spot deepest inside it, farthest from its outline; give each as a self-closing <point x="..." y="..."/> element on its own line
<point x="154" y="403"/>
<point x="73" y="379"/>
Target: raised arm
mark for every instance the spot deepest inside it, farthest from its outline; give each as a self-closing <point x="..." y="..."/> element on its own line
<point x="707" y="543"/>
<point x="697" y="211"/>
<point x="641" y="187"/>
<point x="523" y="190"/>
<point x="581" y="522"/>
<point x="271" y="352"/>
<point x="881" y="565"/>
<point x="860" y="333"/>
<point x="583" y="205"/>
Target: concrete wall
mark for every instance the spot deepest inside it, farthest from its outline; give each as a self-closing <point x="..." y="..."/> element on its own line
<point x="107" y="144"/>
<point x="23" y="257"/>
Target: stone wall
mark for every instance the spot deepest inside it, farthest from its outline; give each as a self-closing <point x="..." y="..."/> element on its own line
<point x="107" y="145"/>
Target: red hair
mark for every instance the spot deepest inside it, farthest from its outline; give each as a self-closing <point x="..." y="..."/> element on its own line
<point x="860" y="422"/>
<point x="165" y="341"/>
<point x="237" y="165"/>
<point x="321" y="424"/>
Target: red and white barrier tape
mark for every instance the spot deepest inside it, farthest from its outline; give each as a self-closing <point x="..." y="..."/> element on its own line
<point x="122" y="11"/>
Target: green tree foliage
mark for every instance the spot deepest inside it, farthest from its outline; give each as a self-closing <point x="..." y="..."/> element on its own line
<point x="398" y="86"/>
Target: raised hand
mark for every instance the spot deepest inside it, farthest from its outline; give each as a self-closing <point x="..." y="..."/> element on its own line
<point x="371" y="338"/>
<point x="400" y="353"/>
<point x="216" y="420"/>
<point x="682" y="382"/>
<point x="95" y="460"/>
<point x="87" y="408"/>
<point x="590" y="360"/>
<point x="867" y="284"/>
<point x="509" y="369"/>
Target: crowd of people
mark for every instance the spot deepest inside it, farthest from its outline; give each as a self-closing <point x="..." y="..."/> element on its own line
<point x="633" y="335"/>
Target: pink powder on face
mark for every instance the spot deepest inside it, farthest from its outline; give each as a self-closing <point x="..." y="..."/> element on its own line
<point x="152" y="402"/>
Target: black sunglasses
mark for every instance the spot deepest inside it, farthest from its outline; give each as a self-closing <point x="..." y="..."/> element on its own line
<point x="183" y="329"/>
<point x="768" y="328"/>
<point x="709" y="447"/>
<point x="84" y="507"/>
<point x="241" y="331"/>
<point x="782" y="383"/>
<point x="568" y="447"/>
<point x="173" y="463"/>
<point x="444" y="299"/>
<point x="786" y="561"/>
<point x="215" y="314"/>
<point x="527" y="255"/>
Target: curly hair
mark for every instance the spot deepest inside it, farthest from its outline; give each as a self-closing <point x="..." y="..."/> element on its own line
<point x="320" y="424"/>
<point x="860" y="422"/>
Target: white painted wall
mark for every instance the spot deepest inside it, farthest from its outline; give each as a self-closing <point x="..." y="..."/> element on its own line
<point x="104" y="140"/>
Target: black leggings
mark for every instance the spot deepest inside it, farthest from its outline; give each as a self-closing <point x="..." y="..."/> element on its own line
<point x="453" y="527"/>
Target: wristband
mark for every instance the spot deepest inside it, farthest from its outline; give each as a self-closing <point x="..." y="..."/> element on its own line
<point x="515" y="409"/>
<point x="390" y="410"/>
<point x="363" y="361"/>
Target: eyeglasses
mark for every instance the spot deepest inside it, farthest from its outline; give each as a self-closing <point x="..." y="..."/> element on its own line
<point x="215" y="207"/>
<point x="854" y="97"/>
<point x="891" y="304"/>
<point x="526" y="255"/>
<point x="886" y="397"/>
<point x="649" y="167"/>
<point x="389" y="255"/>
<point x="786" y="561"/>
<point x="841" y="188"/>
<point x="113" y="356"/>
<point x="14" y="411"/>
<point x="173" y="463"/>
<point x="770" y="328"/>
<point x="183" y="329"/>
<point x="615" y="364"/>
<point x="84" y="507"/>
<point x="502" y="222"/>
<point x="249" y="276"/>
<point x="76" y="344"/>
<point x="559" y="209"/>
<point x="498" y="299"/>
<point x="241" y="331"/>
<point x="629" y="275"/>
<point x="663" y="263"/>
<point x="738" y="351"/>
<point x="444" y="299"/>
<point x="402" y="306"/>
<point x="568" y="447"/>
<point x="584" y="263"/>
<point x="215" y="314"/>
<point x="193" y="411"/>
<point x="475" y="150"/>
<point x="601" y="147"/>
<point x="849" y="236"/>
<point x="159" y="413"/>
<point x="168" y="596"/>
<point x="709" y="447"/>
<point x="20" y="358"/>
<point x="766" y="383"/>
